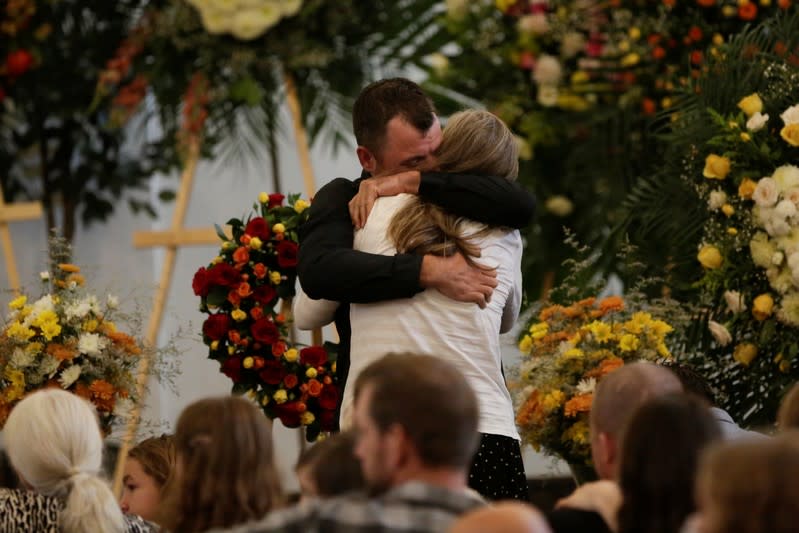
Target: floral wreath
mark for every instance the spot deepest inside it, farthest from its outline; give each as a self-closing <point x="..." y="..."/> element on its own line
<point x="239" y="290"/>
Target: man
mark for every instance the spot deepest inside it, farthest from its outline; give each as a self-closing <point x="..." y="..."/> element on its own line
<point x="506" y="517"/>
<point x="416" y="426"/>
<point x="397" y="131"/>
<point x="617" y="397"/>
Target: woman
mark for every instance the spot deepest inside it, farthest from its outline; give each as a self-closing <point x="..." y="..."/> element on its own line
<point x="225" y="473"/>
<point x="54" y="443"/>
<point x="476" y="143"/>
<point x="147" y="469"/>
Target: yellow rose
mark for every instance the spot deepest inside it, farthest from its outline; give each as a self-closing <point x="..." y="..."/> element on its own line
<point x="311" y="373"/>
<point x="256" y="243"/>
<point x="231" y="350"/>
<point x="238" y="315"/>
<point x="214" y="345"/>
<point x="710" y="257"/>
<point x="762" y="306"/>
<point x="744" y="353"/>
<point x="718" y="39"/>
<point x="248" y="362"/>
<point x="751" y="104"/>
<point x="280" y="396"/>
<point x="745" y="137"/>
<point x="301" y="205"/>
<point x="732" y="231"/>
<point x="263" y="197"/>
<point x="716" y="167"/>
<point x="279" y="228"/>
<point x="747" y="188"/>
<point x="290" y="355"/>
<point x="634" y="33"/>
<point x="307" y="418"/>
<point x="274" y="277"/>
<point x="727" y="209"/>
<point x="791" y="134"/>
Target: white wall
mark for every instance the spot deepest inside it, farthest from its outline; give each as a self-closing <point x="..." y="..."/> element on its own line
<point x="107" y="255"/>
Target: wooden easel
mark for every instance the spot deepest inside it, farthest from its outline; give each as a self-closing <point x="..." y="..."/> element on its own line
<point x="14" y="213"/>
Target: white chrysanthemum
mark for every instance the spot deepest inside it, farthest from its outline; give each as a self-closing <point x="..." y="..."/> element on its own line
<point x="215" y="21"/>
<point x="77" y="309"/>
<point x="44" y="275"/>
<point x="48" y="366"/>
<point x="786" y="177"/>
<point x="586" y="386"/>
<point x="756" y="122"/>
<point x="777" y="226"/>
<point x="777" y="258"/>
<point x="735" y="302"/>
<point x="123" y="407"/>
<point x="547" y="70"/>
<point x="69" y="376"/>
<point x="22" y="358"/>
<point x="788" y="312"/>
<point x="717" y="199"/>
<point x="766" y="192"/>
<point x="793" y="261"/>
<point x="791" y="115"/>
<point x="91" y="343"/>
<point x="111" y="301"/>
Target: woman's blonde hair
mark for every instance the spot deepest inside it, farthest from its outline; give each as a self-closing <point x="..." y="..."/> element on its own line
<point x="226" y="472"/>
<point x="474" y="142"/>
<point x="788" y="415"/>
<point x="53" y="441"/>
<point x="751" y="485"/>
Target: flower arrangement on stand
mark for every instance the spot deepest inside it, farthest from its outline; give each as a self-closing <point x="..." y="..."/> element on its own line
<point x="566" y="351"/>
<point x="249" y="335"/>
<point x="68" y="338"/>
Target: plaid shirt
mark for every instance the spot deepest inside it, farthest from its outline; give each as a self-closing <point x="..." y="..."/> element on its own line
<point x="413" y="507"/>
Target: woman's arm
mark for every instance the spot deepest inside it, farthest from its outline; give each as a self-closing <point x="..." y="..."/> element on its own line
<point x="311" y="314"/>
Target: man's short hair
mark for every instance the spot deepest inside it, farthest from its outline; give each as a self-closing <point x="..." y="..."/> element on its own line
<point x="383" y="100"/>
<point x="692" y="381"/>
<point x="431" y="400"/>
<point x="622" y="391"/>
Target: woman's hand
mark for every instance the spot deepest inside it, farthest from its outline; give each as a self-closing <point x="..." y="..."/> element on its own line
<point x="371" y="189"/>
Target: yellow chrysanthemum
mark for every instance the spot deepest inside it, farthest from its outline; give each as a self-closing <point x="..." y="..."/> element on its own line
<point x="16" y="384"/>
<point x="526" y="344"/>
<point x="90" y="325"/>
<point x="280" y="396"/>
<point x="577" y="433"/>
<point x="573" y="353"/>
<point x="50" y="330"/>
<point x="601" y="331"/>
<point x="553" y="400"/>
<point x="663" y="350"/>
<point x="660" y="328"/>
<point x="18" y="303"/>
<point x="19" y="332"/>
<point x="628" y="343"/>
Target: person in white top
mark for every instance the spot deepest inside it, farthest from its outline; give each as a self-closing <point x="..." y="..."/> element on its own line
<point x="477" y="143"/>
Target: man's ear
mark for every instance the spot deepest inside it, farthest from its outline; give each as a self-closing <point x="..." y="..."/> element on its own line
<point x="366" y="158"/>
<point x="397" y="447"/>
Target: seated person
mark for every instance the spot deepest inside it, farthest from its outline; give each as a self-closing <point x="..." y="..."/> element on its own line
<point x="329" y="468"/>
<point x="147" y="469"/>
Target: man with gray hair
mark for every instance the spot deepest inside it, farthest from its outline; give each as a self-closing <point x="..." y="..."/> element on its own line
<point x="617" y="397"/>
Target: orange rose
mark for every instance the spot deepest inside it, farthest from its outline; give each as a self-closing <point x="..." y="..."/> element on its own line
<point x="279" y="348"/>
<point x="314" y="388"/>
<point x="256" y="313"/>
<point x="290" y="381"/>
<point x="244" y="289"/>
<point x="245" y="239"/>
<point x="259" y="270"/>
<point x="241" y="255"/>
<point x="234" y="298"/>
<point x="258" y="363"/>
<point x="234" y="336"/>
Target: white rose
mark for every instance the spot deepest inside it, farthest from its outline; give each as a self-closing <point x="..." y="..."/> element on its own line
<point x="766" y="192"/>
<point x="787" y="177"/>
<point x="547" y="70"/>
<point x="756" y="122"/>
<point x="717" y="199"/>
<point x="735" y="302"/>
<point x="785" y="209"/>
<point x="547" y="95"/>
<point x="781" y="280"/>
<point x="762" y="250"/>
<point x="793" y="261"/>
<point x="791" y="115"/>
<point x="215" y="21"/>
<point x="559" y="205"/>
<point x="777" y="258"/>
<point x="536" y="24"/>
<point x="720" y="333"/>
<point x="289" y="8"/>
<point x="792" y="195"/>
<point x="252" y="23"/>
<point x="778" y="227"/>
<point x="572" y="44"/>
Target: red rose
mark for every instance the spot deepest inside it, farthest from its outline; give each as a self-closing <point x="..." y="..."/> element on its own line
<point x="264" y="295"/>
<point x="287" y="254"/>
<point x="265" y="331"/>
<point x="327" y="420"/>
<point x="200" y="284"/>
<point x="328" y="398"/>
<point x="223" y="274"/>
<point x="314" y="356"/>
<point x="232" y="368"/>
<point x="18" y="62"/>
<point x="289" y="414"/>
<point x="257" y="227"/>
<point x="216" y="326"/>
<point x="275" y="200"/>
<point x="272" y="372"/>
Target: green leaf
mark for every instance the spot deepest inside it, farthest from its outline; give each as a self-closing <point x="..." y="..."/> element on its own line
<point x="216" y="296"/>
<point x="166" y="195"/>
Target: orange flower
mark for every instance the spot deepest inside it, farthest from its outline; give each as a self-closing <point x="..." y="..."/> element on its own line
<point x="696" y="57"/>
<point x="573" y="311"/>
<point x="259" y="270"/>
<point x="549" y="312"/>
<point x="245" y="239"/>
<point x="280" y="318"/>
<point x="125" y="341"/>
<point x="60" y="352"/>
<point x="102" y="395"/>
<point x="234" y="336"/>
<point x="706" y="3"/>
<point x="648" y="106"/>
<point x="610" y="304"/>
<point x="605" y="367"/>
<point x="256" y="313"/>
<point x="586" y="302"/>
<point x="69" y="267"/>
<point x="578" y="404"/>
<point x="279" y="348"/>
<point x="234" y="298"/>
<point x="659" y="53"/>
<point x="314" y="388"/>
<point x="77" y="278"/>
<point x="695" y="33"/>
<point x="747" y="11"/>
<point x="244" y="290"/>
<point x="83" y="391"/>
<point x="241" y="255"/>
<point x="531" y="411"/>
<point x="290" y="381"/>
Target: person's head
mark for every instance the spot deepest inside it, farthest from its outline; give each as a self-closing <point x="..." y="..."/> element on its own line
<point x="505" y="517"/>
<point x="395" y="126"/>
<point x="225" y="471"/>
<point x="692" y="381"/>
<point x="54" y="443"/>
<point x="147" y="468"/>
<point x="749" y="486"/>
<point x="330" y="468"/>
<point x="788" y="415"/>
<point x="659" y="454"/>
<point x="617" y="396"/>
<point x="415" y="416"/>
<point x="477" y="143"/>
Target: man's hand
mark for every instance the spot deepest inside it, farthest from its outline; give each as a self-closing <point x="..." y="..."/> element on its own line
<point x="457" y="279"/>
<point x="373" y="188"/>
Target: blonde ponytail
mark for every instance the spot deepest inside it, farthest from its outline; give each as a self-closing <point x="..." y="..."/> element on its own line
<point x="53" y="441"/>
